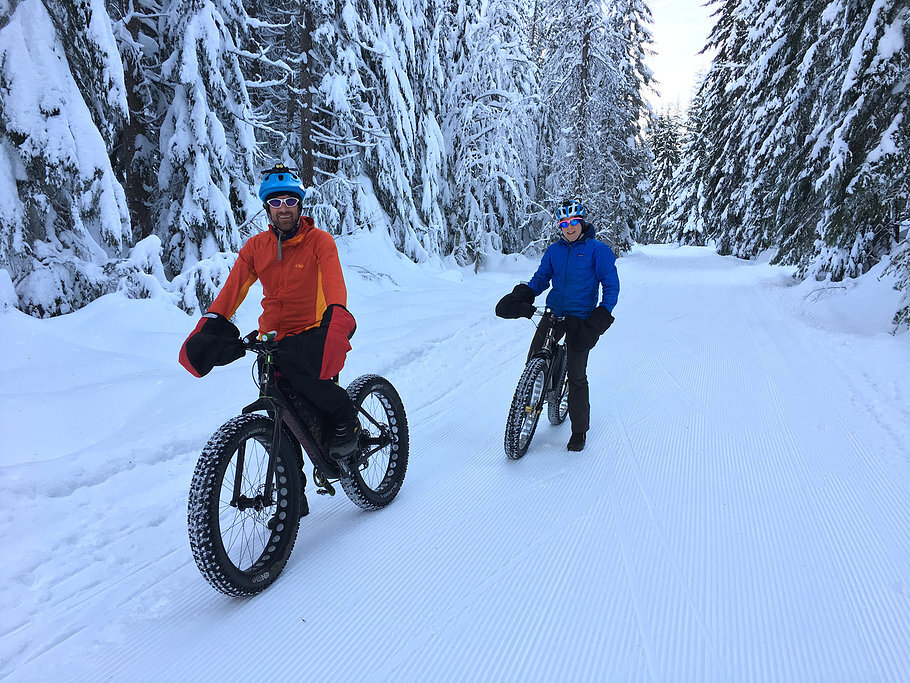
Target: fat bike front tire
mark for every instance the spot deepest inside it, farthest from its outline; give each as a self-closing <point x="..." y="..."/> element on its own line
<point x="372" y="477"/>
<point x="526" y="407"/>
<point x="240" y="540"/>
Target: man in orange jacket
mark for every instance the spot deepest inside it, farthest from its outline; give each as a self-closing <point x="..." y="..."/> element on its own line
<point x="304" y="301"/>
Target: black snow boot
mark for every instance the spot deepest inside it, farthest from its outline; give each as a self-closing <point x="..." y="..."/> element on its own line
<point x="344" y="440"/>
<point x="577" y="442"/>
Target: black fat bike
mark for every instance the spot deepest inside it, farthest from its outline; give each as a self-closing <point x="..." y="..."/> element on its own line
<point x="247" y="493"/>
<point x="544" y="380"/>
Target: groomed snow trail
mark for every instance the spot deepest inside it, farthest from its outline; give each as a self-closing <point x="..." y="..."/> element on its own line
<point x="739" y="513"/>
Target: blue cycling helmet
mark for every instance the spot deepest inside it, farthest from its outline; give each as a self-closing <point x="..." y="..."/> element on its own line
<point x="571" y="207"/>
<point x="281" y="179"/>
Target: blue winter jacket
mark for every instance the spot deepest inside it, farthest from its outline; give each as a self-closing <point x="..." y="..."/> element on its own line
<point x="576" y="269"/>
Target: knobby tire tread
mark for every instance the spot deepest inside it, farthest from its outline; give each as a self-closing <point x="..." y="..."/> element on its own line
<point x="203" y="509"/>
<point x="352" y="482"/>
<point x="517" y="410"/>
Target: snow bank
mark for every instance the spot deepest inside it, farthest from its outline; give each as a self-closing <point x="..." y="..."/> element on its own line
<point x="862" y="306"/>
<point x="8" y="298"/>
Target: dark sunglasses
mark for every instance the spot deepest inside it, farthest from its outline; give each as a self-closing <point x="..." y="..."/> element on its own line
<point x="566" y="224"/>
<point x="287" y="201"/>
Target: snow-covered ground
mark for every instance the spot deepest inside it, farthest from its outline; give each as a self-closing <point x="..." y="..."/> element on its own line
<point x="740" y="512"/>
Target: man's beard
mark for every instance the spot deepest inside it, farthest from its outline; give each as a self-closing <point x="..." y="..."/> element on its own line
<point x="286" y="224"/>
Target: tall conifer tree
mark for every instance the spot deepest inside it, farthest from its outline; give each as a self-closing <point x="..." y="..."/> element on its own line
<point x="64" y="214"/>
<point x="207" y="143"/>
<point x="490" y="132"/>
<point x="666" y="150"/>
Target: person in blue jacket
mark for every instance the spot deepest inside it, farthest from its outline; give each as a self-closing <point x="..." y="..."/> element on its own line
<point x="579" y="267"/>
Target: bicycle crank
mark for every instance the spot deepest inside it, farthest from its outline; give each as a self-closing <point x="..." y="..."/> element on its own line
<point x="325" y="486"/>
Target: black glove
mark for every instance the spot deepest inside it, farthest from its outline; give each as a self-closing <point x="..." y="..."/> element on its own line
<point x="583" y="334"/>
<point x="215" y="341"/>
<point x="517" y="304"/>
<point x="601" y="319"/>
<point x="577" y="334"/>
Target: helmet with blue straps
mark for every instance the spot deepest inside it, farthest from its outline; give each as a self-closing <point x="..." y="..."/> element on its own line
<point x="281" y="179"/>
<point x="571" y="207"/>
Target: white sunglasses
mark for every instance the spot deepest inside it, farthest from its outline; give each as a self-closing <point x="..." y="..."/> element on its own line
<point x="287" y="201"/>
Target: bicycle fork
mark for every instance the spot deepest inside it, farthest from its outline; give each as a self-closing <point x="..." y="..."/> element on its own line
<point x="264" y="499"/>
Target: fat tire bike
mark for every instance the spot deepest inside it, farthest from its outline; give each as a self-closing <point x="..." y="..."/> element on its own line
<point x="544" y="380"/>
<point x="247" y="495"/>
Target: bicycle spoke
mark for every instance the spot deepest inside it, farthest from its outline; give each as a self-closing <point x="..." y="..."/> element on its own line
<point x="381" y="461"/>
<point x="236" y="545"/>
<point x="244" y="531"/>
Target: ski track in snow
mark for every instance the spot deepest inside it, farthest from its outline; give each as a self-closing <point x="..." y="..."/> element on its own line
<point x="739" y="512"/>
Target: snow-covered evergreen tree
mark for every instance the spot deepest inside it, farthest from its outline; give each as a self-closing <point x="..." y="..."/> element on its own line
<point x="721" y="168"/>
<point x="381" y="160"/>
<point x="207" y="142"/>
<point x="666" y="149"/>
<point x="62" y="212"/>
<point x="683" y="222"/>
<point x="85" y="34"/>
<point x="865" y="113"/>
<point x="431" y="74"/>
<point x="346" y="127"/>
<point x="135" y="155"/>
<point x="900" y="266"/>
<point x="280" y="77"/>
<point x="762" y="131"/>
<point x="592" y="81"/>
<point x="623" y="129"/>
<point x="391" y="162"/>
<point x="490" y="133"/>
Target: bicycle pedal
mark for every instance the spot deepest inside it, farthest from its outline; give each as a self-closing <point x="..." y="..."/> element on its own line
<point x="328" y="490"/>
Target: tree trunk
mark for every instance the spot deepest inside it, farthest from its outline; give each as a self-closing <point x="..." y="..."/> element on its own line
<point x="138" y="200"/>
<point x="581" y="120"/>
<point x="305" y="99"/>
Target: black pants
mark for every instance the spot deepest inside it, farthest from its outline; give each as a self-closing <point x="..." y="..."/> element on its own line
<point x="577" y="367"/>
<point x="324" y="399"/>
<point x="329" y="397"/>
<point x="299" y="361"/>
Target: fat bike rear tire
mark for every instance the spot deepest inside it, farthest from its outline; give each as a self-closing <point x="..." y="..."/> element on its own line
<point x="241" y="543"/>
<point x="526" y="407"/>
<point x="558" y="398"/>
<point x="372" y="477"/>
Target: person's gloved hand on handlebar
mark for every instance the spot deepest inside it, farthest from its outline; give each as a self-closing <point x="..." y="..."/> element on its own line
<point x="517" y="304"/>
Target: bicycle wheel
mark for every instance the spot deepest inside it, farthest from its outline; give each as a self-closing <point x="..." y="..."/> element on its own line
<point x="241" y="540"/>
<point x="525" y="409"/>
<point x="558" y="397"/>
<point x="376" y="471"/>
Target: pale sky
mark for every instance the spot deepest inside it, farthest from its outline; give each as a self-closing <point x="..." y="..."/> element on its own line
<point x="680" y="30"/>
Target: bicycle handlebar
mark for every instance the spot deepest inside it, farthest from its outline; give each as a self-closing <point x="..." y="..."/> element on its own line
<point x="251" y="342"/>
<point x="546" y="311"/>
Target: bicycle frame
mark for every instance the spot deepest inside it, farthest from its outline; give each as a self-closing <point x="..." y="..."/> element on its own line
<point x="548" y="348"/>
<point x="273" y="401"/>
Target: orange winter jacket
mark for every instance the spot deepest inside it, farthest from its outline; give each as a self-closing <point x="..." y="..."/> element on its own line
<point x="297" y="287"/>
